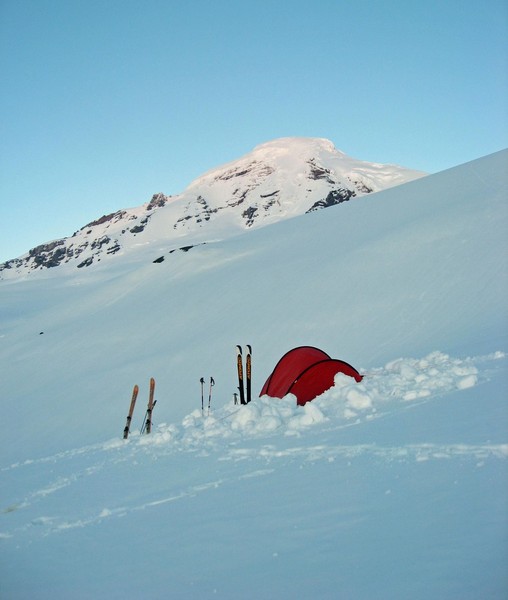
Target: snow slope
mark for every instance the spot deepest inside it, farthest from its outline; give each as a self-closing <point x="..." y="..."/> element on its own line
<point x="391" y="488"/>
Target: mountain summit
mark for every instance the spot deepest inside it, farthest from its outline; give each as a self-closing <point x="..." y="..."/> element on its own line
<point x="277" y="180"/>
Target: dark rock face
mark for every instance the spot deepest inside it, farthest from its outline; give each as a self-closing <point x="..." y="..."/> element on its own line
<point x="104" y="219"/>
<point x="249" y="215"/>
<point x="157" y="201"/>
<point x="319" y="172"/>
<point x="334" y="197"/>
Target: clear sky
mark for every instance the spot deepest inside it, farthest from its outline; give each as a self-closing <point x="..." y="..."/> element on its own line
<point x="105" y="102"/>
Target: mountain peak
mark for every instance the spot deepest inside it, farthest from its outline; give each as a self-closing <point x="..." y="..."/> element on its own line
<point x="297" y="144"/>
<point x="277" y="180"/>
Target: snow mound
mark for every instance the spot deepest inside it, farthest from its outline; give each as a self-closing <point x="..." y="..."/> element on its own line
<point x="383" y="390"/>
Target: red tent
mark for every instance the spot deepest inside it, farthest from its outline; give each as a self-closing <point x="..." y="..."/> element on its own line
<point x="305" y="372"/>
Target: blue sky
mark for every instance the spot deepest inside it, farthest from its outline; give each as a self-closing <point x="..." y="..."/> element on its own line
<point x="104" y="103"/>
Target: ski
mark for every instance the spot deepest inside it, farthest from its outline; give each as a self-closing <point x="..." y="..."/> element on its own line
<point x="248" y="370"/>
<point x="131" y="410"/>
<point x="147" y="423"/>
<point x="239" y="366"/>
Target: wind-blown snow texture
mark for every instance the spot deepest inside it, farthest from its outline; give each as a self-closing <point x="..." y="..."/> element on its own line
<point x="391" y="488"/>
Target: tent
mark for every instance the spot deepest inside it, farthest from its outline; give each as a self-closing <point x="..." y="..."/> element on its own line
<point x="305" y="372"/>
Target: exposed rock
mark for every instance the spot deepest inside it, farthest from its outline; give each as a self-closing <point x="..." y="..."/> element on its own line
<point x="249" y="215"/>
<point x="157" y="201"/>
<point x="334" y="197"/>
<point x="319" y="172"/>
<point x="86" y="263"/>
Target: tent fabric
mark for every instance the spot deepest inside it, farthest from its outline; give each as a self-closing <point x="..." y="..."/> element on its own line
<point x="306" y="372"/>
<point x="289" y="367"/>
<point x="318" y="378"/>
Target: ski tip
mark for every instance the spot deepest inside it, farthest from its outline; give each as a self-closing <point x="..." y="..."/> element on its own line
<point x="239" y="348"/>
<point x="249" y="349"/>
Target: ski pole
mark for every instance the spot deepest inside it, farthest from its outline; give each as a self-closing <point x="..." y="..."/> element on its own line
<point x="212" y="383"/>
<point x="202" y="382"/>
<point x="143" y="425"/>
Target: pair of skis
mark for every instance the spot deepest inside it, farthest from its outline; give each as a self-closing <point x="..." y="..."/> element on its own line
<point x="212" y="383"/>
<point x="147" y="421"/>
<point x="244" y="389"/>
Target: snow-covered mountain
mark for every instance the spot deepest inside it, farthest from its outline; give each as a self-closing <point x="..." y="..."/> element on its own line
<point x="277" y="180"/>
<point x="392" y="488"/>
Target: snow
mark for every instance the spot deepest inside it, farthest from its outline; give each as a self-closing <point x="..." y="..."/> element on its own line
<point x="391" y="488"/>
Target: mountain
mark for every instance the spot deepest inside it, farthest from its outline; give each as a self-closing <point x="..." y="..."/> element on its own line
<point x="277" y="180"/>
<point x="392" y="488"/>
